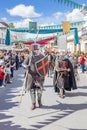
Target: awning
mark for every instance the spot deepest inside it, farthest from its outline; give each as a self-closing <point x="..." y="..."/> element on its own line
<point x="41" y="42"/>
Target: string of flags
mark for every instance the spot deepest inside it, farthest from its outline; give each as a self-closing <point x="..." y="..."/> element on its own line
<point x="71" y="3"/>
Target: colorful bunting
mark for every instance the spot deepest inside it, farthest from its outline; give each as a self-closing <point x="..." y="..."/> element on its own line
<point x="73" y="24"/>
<point x="46" y="29"/>
<point x="72" y="4"/>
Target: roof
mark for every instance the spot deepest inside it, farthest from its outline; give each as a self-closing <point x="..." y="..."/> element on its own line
<point x="4" y="24"/>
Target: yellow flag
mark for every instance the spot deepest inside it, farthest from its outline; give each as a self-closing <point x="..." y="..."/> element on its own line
<point x="48" y="46"/>
<point x="66" y="26"/>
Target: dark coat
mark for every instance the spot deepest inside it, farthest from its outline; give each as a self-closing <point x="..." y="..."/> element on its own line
<point x="69" y="78"/>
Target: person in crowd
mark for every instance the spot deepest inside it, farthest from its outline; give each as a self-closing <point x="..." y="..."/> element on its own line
<point x="85" y="63"/>
<point x="74" y="61"/>
<point x="17" y="61"/>
<point x="7" y="73"/>
<point x="12" y="65"/>
<point x="82" y="62"/>
<point x="2" y="75"/>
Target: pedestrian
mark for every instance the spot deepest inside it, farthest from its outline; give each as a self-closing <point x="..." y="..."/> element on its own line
<point x="2" y="75"/>
<point x="69" y="78"/>
<point x="7" y="73"/>
<point x="35" y="77"/>
<point x="74" y="61"/>
<point x="82" y="62"/>
<point x="12" y="65"/>
<point x="17" y="61"/>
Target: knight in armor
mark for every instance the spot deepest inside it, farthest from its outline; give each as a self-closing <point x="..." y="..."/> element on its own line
<point x="35" y="74"/>
<point x="65" y="66"/>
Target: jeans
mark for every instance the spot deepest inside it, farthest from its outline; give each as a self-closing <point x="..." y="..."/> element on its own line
<point x="12" y="72"/>
<point x="1" y="82"/>
<point x="82" y="67"/>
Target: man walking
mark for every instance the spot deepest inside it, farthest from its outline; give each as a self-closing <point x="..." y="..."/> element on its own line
<point x="37" y="65"/>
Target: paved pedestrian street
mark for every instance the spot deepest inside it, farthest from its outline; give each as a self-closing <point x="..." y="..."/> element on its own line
<point x="69" y="113"/>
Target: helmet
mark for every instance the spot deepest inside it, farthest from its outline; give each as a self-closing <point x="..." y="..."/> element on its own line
<point x="35" y="46"/>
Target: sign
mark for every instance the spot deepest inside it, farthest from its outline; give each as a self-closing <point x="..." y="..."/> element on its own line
<point x="66" y="26"/>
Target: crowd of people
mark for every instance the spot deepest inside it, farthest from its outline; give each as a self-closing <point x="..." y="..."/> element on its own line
<point x="62" y="65"/>
<point x="9" y="61"/>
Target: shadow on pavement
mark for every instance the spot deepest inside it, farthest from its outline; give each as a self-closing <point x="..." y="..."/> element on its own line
<point x="62" y="110"/>
<point x="77" y="129"/>
<point x="6" y="102"/>
<point x="8" y="125"/>
<point x="82" y="87"/>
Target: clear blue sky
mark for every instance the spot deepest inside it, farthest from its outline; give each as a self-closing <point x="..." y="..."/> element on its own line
<point x="44" y="10"/>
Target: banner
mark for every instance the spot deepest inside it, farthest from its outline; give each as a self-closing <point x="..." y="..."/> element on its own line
<point x="41" y="42"/>
<point x="7" y="38"/>
<point x="62" y="43"/>
<point x="66" y="26"/>
<point x="32" y="26"/>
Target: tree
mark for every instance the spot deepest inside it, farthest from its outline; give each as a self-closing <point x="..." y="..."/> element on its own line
<point x="11" y="25"/>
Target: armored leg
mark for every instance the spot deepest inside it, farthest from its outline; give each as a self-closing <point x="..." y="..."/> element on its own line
<point x="33" y="98"/>
<point x="61" y="92"/>
<point x="39" y="95"/>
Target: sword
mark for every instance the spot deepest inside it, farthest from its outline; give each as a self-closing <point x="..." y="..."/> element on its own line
<point x="23" y="87"/>
<point x="25" y="80"/>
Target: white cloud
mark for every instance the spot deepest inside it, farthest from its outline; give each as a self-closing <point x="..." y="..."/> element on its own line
<point x="23" y="11"/>
<point x="57" y="15"/>
<point x="74" y="16"/>
<point x="4" y="19"/>
<point x="55" y="18"/>
<point x="22" y="23"/>
<point x="40" y="22"/>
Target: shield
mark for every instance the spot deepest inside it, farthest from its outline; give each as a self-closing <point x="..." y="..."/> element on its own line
<point x="42" y="66"/>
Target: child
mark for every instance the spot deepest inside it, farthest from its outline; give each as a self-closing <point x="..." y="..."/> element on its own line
<point x="7" y="73"/>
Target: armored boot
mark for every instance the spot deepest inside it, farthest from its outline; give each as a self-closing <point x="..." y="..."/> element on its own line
<point x="39" y="103"/>
<point x="33" y="98"/>
<point x="33" y="106"/>
<point x="39" y="95"/>
<point x="61" y="92"/>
